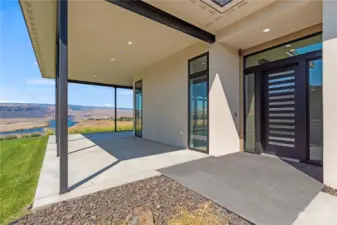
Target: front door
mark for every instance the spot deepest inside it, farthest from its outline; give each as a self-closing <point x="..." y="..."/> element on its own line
<point x="284" y="111"/>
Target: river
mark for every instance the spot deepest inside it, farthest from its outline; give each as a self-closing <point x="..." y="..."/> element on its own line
<point x="52" y="125"/>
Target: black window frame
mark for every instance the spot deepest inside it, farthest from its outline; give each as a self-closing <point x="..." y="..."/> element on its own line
<point x="195" y="75"/>
<point x="276" y="46"/>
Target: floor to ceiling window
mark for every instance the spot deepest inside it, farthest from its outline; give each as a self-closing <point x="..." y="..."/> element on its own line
<point x="139" y="109"/>
<point x="198" y="103"/>
<point x="124" y="104"/>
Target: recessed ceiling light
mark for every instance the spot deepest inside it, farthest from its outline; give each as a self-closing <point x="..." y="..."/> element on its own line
<point x="112" y="59"/>
<point x="266" y="30"/>
<point x="130" y="43"/>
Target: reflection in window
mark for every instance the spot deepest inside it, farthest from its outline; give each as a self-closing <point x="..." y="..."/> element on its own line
<point x="198" y="64"/>
<point x="138" y="109"/>
<point x="249" y="112"/>
<point x="316" y="110"/>
<point x="198" y="104"/>
<point x="198" y="113"/>
<point x="285" y="51"/>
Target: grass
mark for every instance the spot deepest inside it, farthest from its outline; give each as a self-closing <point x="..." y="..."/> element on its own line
<point x="21" y="161"/>
<point x="92" y="126"/>
<point x="203" y="216"/>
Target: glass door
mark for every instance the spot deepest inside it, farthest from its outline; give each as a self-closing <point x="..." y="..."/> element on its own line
<point x="198" y="103"/>
<point x="315" y="111"/>
<point x="139" y="109"/>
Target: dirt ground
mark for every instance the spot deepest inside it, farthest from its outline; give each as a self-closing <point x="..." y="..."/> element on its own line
<point x="12" y="124"/>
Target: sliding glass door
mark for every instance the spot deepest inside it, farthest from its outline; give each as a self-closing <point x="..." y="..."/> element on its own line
<point x="139" y="109"/>
<point x="198" y="103"/>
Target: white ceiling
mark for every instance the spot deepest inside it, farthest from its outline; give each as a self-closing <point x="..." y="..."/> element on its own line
<point x="99" y="31"/>
<point x="282" y="17"/>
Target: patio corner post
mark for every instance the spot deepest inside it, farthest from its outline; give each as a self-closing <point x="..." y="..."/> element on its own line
<point x="57" y="108"/>
<point x="63" y="92"/>
<point x="115" y="109"/>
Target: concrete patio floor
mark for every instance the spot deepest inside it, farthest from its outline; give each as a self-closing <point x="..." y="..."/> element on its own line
<point x="103" y="160"/>
<point x="262" y="189"/>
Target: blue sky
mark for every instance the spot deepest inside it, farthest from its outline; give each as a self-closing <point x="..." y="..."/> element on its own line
<point x="20" y="78"/>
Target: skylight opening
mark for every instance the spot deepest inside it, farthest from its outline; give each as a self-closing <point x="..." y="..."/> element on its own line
<point x="222" y="3"/>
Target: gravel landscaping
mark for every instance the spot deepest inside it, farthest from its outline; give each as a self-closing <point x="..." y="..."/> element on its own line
<point x="164" y="197"/>
<point x="330" y="190"/>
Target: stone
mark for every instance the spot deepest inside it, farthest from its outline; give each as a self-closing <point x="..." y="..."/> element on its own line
<point x="139" y="216"/>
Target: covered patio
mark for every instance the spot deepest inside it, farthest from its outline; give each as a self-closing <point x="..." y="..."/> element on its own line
<point x="99" y="161"/>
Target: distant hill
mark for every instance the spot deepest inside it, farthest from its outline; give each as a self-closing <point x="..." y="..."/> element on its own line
<point x="32" y="110"/>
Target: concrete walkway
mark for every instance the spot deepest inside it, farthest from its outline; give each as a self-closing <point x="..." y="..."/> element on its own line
<point x="321" y="210"/>
<point x="262" y="189"/>
<point x="104" y="160"/>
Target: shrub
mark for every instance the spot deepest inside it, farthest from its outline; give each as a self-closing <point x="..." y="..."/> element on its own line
<point x="49" y="132"/>
<point x="23" y="136"/>
<point x="10" y="137"/>
<point x="35" y="135"/>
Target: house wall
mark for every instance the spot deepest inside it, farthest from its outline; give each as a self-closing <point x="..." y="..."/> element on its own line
<point x="165" y="108"/>
<point x="165" y="100"/>
<point x="224" y="94"/>
<point x="329" y="93"/>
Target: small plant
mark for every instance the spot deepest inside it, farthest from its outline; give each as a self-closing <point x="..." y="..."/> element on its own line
<point x="202" y="216"/>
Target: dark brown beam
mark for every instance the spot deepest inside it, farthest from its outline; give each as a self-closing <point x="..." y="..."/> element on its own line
<point x="99" y="84"/>
<point x="144" y="9"/>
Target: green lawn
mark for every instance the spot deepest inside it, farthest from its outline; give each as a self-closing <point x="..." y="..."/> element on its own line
<point x="20" y="164"/>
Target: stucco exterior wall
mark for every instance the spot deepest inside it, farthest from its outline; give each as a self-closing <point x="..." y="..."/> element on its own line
<point x="224" y="96"/>
<point x="329" y="93"/>
<point x="165" y="108"/>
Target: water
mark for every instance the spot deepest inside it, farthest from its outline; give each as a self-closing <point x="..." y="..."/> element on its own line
<point x="52" y="125"/>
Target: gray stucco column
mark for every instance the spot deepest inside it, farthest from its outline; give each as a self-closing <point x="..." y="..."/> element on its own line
<point x="63" y="92"/>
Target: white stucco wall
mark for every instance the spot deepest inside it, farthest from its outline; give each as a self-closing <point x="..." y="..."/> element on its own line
<point x="329" y="93"/>
<point x="165" y="97"/>
<point x="224" y="100"/>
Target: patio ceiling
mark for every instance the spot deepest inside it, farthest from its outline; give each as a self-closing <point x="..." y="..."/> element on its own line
<point x="99" y="40"/>
<point x="99" y="32"/>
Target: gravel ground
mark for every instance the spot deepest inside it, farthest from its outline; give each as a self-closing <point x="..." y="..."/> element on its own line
<point x="162" y="196"/>
<point x="330" y="190"/>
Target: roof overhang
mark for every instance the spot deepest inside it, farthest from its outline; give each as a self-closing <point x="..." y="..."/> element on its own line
<point x="41" y="22"/>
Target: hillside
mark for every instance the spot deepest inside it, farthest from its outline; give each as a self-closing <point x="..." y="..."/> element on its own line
<point x="31" y="110"/>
